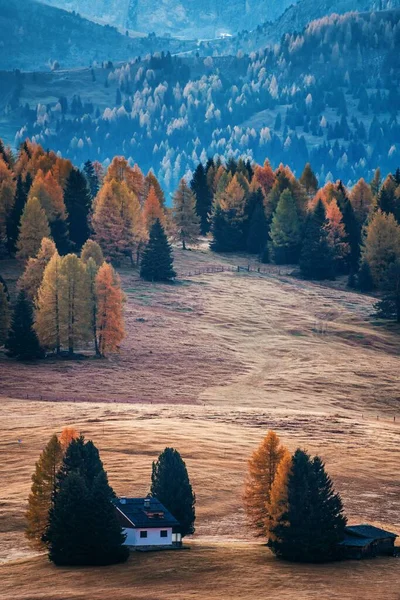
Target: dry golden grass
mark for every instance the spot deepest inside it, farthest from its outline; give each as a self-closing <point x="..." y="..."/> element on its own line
<point x="208" y="366"/>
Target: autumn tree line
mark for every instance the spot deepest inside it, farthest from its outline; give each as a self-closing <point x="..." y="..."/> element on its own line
<point x="71" y="512"/>
<point x="71" y="227"/>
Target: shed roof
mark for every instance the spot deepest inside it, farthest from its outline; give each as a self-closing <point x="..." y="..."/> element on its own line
<point x="154" y="514"/>
<point x="368" y="531"/>
<point x="359" y="542"/>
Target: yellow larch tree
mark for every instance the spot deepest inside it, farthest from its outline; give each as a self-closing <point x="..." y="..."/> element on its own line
<point x="121" y="171"/>
<point x="107" y="221"/>
<point x="42" y="492"/>
<point x="7" y="196"/>
<point x="74" y="302"/>
<point x="91" y="249"/>
<point x="110" y="321"/>
<point x="362" y="200"/>
<point x="186" y="220"/>
<point x="34" y="227"/>
<point x="61" y="170"/>
<point x="47" y="315"/>
<point x="50" y="195"/>
<point x="117" y="220"/>
<point x="381" y="246"/>
<point x="262" y="469"/>
<point x="31" y="278"/>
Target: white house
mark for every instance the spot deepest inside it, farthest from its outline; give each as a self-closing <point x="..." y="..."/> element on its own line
<point x="147" y="523"/>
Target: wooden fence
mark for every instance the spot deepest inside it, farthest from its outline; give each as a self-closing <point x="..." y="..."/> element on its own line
<point x="226" y="269"/>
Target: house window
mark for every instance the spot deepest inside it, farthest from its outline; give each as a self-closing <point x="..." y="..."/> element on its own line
<point x="143" y="534"/>
<point x="163" y="533"/>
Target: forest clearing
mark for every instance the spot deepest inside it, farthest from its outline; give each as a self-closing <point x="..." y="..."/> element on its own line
<point x="301" y="358"/>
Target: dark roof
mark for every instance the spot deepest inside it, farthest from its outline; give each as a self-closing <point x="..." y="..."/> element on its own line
<point x="153" y="515"/>
<point x="368" y="532"/>
<point x="360" y="542"/>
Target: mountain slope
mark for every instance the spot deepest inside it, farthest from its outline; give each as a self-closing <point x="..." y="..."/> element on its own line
<point x="189" y="18"/>
<point x="33" y="36"/>
<point x="294" y="19"/>
<point x="329" y="96"/>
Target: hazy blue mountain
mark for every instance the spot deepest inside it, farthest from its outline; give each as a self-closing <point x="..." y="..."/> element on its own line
<point x="294" y="19"/>
<point x="189" y="18"/>
<point x="34" y="36"/>
<point x="334" y="103"/>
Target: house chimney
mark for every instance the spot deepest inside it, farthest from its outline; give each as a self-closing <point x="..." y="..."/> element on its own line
<point x="147" y="502"/>
<point x="122" y="500"/>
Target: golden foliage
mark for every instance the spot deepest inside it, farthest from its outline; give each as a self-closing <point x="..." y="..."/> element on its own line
<point x="34" y="227"/>
<point x="67" y="435"/>
<point x="152" y="210"/>
<point x="47" y="315"/>
<point x="31" y="278"/>
<point x="74" y="302"/>
<point x="110" y="298"/>
<point x="43" y="486"/>
<point x="91" y="249"/>
<point x="262" y="468"/>
<point x="50" y="195"/>
<point x="278" y="502"/>
<point x="264" y="177"/>
<point x="382" y="245"/>
<point x="362" y="200"/>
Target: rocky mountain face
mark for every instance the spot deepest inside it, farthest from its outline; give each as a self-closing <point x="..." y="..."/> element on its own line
<point x="188" y="18"/>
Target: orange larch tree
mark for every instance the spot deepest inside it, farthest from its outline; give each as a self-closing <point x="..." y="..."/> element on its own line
<point x="152" y="210"/>
<point x="110" y="299"/>
<point x="262" y="468"/>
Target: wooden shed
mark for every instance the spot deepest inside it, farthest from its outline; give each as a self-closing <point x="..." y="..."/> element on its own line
<point x="366" y="541"/>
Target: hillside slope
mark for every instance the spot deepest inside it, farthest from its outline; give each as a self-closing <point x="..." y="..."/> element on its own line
<point x="34" y="35"/>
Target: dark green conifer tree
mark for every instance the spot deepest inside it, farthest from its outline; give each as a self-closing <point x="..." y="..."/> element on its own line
<point x="316" y="258"/>
<point x="22" y="342"/>
<point x="227" y="236"/>
<point x="83" y="528"/>
<point x="14" y="218"/>
<point x="157" y="260"/>
<point x="256" y="229"/>
<point x="285" y="232"/>
<point x="388" y="306"/>
<point x="312" y="527"/>
<point x="60" y="235"/>
<point x="92" y="178"/>
<point x="365" y="282"/>
<point x="202" y="192"/>
<point x="78" y="202"/>
<point x="171" y="486"/>
<point x="352" y="228"/>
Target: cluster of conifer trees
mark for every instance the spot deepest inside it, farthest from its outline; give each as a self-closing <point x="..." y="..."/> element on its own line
<point x="290" y="500"/>
<point x="70" y="507"/>
<point x="328" y="231"/>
